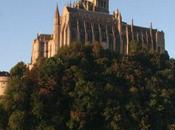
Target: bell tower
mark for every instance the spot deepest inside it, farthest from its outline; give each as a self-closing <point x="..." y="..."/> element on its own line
<point x="101" y="5"/>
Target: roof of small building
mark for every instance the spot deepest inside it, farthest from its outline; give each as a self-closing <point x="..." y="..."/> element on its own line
<point x="4" y="73"/>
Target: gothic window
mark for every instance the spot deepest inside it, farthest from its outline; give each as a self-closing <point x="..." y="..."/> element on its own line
<point x="89" y="31"/>
<point x="73" y="33"/>
<point x="66" y="41"/>
<point x="96" y="31"/>
<point x="111" y="40"/>
<point x="103" y="30"/>
<point x="82" y="32"/>
<point x="104" y="4"/>
<point x="159" y="49"/>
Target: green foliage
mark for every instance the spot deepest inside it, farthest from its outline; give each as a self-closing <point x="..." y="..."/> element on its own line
<point x="88" y="88"/>
<point x="18" y="70"/>
<point x="17" y="120"/>
<point x="134" y="47"/>
<point x="3" y="118"/>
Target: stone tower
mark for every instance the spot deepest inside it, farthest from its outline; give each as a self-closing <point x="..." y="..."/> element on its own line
<point x="101" y="5"/>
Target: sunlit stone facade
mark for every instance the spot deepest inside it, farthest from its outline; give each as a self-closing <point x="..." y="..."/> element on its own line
<point x="88" y="21"/>
<point x="4" y="77"/>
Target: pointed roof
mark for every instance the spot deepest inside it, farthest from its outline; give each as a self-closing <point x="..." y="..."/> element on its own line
<point x="132" y="22"/>
<point x="57" y="12"/>
<point x="151" y="25"/>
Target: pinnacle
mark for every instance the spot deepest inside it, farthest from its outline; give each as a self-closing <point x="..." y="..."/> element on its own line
<point x="57" y="12"/>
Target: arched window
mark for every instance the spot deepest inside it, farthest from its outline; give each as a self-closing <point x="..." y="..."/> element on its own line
<point x="104" y="4"/>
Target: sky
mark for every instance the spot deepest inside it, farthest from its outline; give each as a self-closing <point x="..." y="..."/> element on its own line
<point x="21" y="20"/>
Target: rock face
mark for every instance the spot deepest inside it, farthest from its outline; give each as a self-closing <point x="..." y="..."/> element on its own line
<point x="88" y="21"/>
<point x="4" y="77"/>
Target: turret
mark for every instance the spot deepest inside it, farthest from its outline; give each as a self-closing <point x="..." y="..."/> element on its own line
<point x="151" y="35"/>
<point x="151" y="26"/>
<point x="120" y="18"/>
<point x="127" y="41"/>
<point x="132" y="29"/>
<point x="119" y="21"/>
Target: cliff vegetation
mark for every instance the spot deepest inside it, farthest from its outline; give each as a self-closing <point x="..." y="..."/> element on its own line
<point x="88" y="88"/>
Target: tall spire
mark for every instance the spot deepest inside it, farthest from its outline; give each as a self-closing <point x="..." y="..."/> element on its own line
<point x="57" y="16"/>
<point x="56" y="31"/>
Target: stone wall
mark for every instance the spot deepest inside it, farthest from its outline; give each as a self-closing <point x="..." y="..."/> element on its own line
<point x="3" y="84"/>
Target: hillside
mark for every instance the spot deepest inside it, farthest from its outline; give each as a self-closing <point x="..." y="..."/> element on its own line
<point x="88" y="88"/>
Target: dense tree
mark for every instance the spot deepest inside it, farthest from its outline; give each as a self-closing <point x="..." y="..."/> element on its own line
<point x="3" y="118"/>
<point x="88" y="88"/>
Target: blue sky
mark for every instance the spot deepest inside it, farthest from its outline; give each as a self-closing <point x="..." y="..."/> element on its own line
<point x="21" y="20"/>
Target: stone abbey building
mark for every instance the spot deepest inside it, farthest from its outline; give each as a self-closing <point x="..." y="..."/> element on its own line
<point x="88" y="21"/>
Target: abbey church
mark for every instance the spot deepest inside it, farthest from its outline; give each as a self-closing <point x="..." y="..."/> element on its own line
<point x="89" y="21"/>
